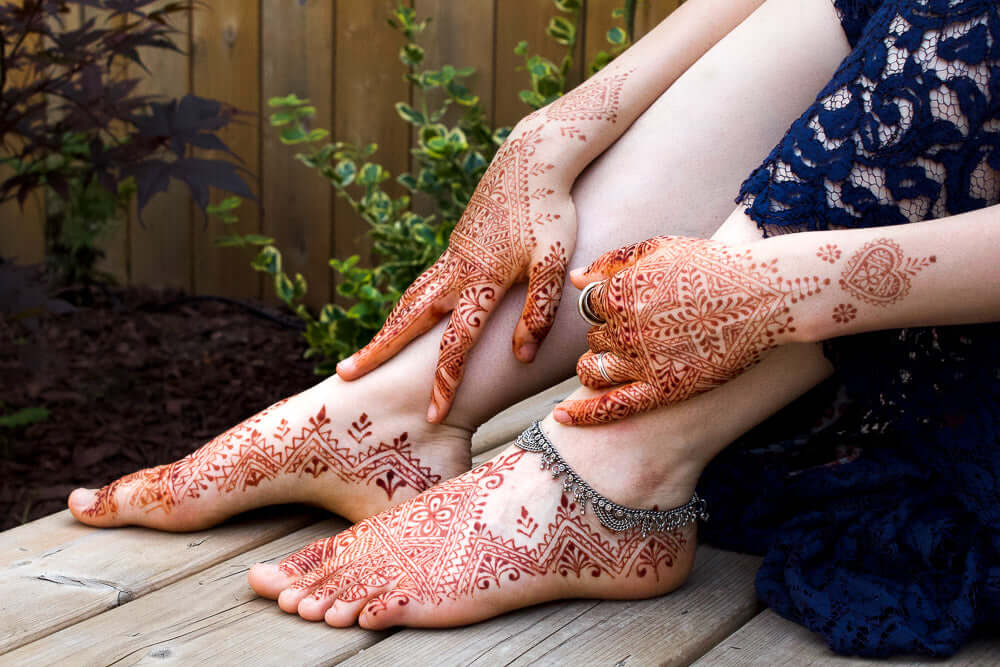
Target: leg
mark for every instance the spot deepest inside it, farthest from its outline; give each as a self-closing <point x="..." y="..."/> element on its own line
<point x="500" y="537"/>
<point x="336" y="444"/>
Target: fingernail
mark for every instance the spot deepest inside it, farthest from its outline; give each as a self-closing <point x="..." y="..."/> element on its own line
<point x="432" y="414"/>
<point x="345" y="365"/>
<point x="561" y="416"/>
<point x="526" y="351"/>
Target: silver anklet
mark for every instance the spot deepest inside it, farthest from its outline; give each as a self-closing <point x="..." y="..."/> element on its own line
<point x="611" y="515"/>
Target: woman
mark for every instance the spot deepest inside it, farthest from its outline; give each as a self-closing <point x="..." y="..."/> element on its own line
<point x="904" y="131"/>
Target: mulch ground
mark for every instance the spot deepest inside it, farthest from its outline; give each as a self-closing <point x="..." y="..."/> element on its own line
<point x="134" y="379"/>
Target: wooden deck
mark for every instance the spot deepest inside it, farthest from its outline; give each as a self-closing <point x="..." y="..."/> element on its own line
<point x="64" y="589"/>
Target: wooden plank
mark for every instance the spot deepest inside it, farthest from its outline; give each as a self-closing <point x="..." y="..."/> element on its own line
<point x="507" y="425"/>
<point x="670" y="630"/>
<point x="55" y="572"/>
<point x="516" y="21"/>
<point x="160" y="244"/>
<point x="770" y="640"/>
<point x="226" y="66"/>
<point x="297" y="57"/>
<point x="212" y="617"/>
<point x="368" y="81"/>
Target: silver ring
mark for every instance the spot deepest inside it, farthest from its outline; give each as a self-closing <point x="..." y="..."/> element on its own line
<point x="602" y="369"/>
<point x="583" y="305"/>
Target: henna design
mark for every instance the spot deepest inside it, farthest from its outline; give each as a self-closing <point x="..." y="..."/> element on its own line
<point x="686" y="316"/>
<point x="880" y="274"/>
<point x="844" y="313"/>
<point x="243" y="457"/>
<point x="829" y="253"/>
<point x="515" y="213"/>
<point x="597" y="98"/>
<point x="438" y="547"/>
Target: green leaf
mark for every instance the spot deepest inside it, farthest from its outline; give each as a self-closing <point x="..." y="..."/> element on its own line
<point x="344" y="172"/>
<point x="369" y="149"/>
<point x="569" y="6"/>
<point x="291" y="100"/>
<point x="282" y="118"/>
<point x="317" y="134"/>
<point x="299" y="286"/>
<point x="411" y="55"/>
<point x="521" y="48"/>
<point x="473" y="163"/>
<point x="457" y="140"/>
<point x="465" y="71"/>
<point x="24" y="417"/>
<point x="268" y="260"/>
<point x="258" y="239"/>
<point x="550" y="87"/>
<point x="229" y="241"/>
<point x="409" y="114"/>
<point x="371" y="174"/>
<point x="562" y="30"/>
<point x="616" y="36"/>
<point x="438" y="144"/>
<point x="295" y="134"/>
<point x="407" y="181"/>
<point x="283" y="288"/>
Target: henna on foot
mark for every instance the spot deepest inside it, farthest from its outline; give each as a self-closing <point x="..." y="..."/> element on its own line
<point x="354" y="453"/>
<point x="500" y="537"/>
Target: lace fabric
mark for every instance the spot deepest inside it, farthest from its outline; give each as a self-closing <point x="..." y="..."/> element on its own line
<point x="875" y="499"/>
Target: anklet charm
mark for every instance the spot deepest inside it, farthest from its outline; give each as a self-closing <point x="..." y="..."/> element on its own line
<point x="612" y="516"/>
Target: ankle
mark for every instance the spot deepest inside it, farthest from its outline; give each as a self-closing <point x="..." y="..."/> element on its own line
<point x="629" y="463"/>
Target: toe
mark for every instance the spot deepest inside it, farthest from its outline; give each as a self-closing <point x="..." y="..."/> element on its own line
<point x="289" y="599"/>
<point x="384" y="611"/>
<point x="99" y="507"/>
<point x="268" y="580"/>
<point x="344" y="613"/>
<point x="313" y="607"/>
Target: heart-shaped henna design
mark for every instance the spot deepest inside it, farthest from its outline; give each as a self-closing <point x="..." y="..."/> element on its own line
<point x="880" y="273"/>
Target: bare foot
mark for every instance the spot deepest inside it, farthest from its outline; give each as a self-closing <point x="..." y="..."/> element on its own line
<point x="500" y="537"/>
<point x="354" y="449"/>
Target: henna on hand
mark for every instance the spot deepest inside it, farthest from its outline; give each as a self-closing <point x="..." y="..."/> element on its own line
<point x="245" y="457"/>
<point x="439" y="546"/>
<point x="519" y="224"/>
<point x="682" y="317"/>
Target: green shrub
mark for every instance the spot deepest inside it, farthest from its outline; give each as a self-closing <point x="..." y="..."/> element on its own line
<point x="450" y="161"/>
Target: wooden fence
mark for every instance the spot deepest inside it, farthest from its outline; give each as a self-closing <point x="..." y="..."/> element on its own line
<point x="343" y="56"/>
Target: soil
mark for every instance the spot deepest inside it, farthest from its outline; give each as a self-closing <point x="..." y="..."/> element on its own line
<point x="135" y="378"/>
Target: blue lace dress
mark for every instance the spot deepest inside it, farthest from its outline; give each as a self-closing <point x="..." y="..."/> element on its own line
<point x="875" y="499"/>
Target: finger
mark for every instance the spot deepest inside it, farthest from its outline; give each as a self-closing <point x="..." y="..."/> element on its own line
<point x="614" y="261"/>
<point x="615" y="405"/>
<point x="475" y="303"/>
<point x="545" y="286"/>
<point x="588" y="370"/>
<point x="419" y="309"/>
<point x="599" y="339"/>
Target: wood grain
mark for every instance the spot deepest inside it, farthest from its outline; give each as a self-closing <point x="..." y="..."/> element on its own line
<point x="670" y="630"/>
<point x="212" y="617"/>
<point x="368" y="81"/>
<point x="55" y="572"/>
<point x="769" y="640"/>
<point x="225" y="61"/>
<point x="297" y="57"/>
<point x="160" y="244"/>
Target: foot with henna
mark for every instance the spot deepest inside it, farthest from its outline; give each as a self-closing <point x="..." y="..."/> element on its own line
<point x="503" y="536"/>
<point x="352" y="448"/>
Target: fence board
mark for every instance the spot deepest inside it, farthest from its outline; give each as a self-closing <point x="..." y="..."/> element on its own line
<point x="650" y="12"/>
<point x="368" y="81"/>
<point x="160" y="244"/>
<point x="22" y="231"/>
<point x="297" y="57"/>
<point x="527" y="21"/>
<point x="226" y="66"/>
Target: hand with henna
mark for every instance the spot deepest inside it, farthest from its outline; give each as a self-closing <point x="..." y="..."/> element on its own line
<point x="519" y="225"/>
<point x="682" y="316"/>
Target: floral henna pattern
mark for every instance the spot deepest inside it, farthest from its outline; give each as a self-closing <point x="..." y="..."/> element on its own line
<point x="686" y="316"/>
<point x="880" y="274"/>
<point x="244" y="457"/>
<point x="844" y="313"/>
<point x="438" y="547"/>
<point x="829" y="253"/>
<point x="597" y="98"/>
